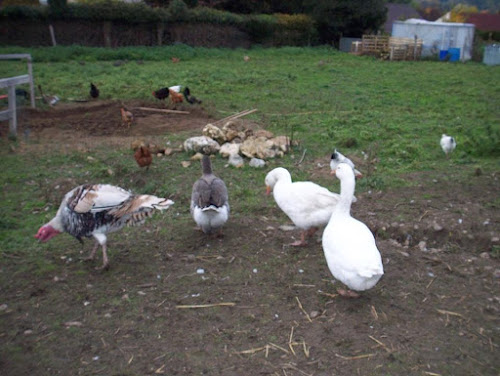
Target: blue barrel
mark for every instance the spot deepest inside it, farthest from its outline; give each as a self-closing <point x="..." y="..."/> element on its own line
<point x="454" y="54"/>
<point x="443" y="54"/>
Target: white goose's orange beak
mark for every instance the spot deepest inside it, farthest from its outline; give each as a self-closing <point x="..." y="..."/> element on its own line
<point x="332" y="172"/>
<point x="268" y="190"/>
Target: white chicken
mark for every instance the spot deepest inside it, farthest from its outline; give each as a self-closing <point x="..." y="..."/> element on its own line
<point x="448" y="144"/>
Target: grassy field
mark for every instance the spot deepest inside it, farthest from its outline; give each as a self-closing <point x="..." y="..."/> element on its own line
<point x="325" y="96"/>
<point x="393" y="111"/>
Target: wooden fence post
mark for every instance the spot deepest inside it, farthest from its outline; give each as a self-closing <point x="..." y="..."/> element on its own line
<point x="52" y="35"/>
<point x="107" y="33"/>
<point x="160" y="30"/>
<point x="32" y="85"/>
<point x="415" y="49"/>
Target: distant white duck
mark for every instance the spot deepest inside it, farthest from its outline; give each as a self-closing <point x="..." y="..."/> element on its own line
<point x="338" y="158"/>
<point x="348" y="244"/>
<point x="448" y="144"/>
<point x="307" y="204"/>
<point x="209" y="200"/>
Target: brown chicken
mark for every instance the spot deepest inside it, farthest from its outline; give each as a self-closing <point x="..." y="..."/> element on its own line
<point x="175" y="60"/>
<point x="127" y="117"/>
<point x="175" y="97"/>
<point x="143" y="156"/>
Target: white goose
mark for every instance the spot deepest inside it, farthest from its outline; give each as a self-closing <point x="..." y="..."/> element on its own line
<point x="348" y="244"/>
<point x="307" y="204"/>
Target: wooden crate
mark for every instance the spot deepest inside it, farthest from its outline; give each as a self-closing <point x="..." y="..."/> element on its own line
<point x="386" y="47"/>
<point x="405" y="48"/>
<point x="375" y="45"/>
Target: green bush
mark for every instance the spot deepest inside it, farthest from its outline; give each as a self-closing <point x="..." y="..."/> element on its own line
<point x="178" y="11"/>
<point x="12" y="12"/>
<point x="21" y="2"/>
<point x="98" y="11"/>
<point x="488" y="35"/>
<point x="294" y="29"/>
<point x="482" y="140"/>
<point x="57" y="7"/>
<point x="114" y="11"/>
<point x="260" y="27"/>
<point x="299" y="22"/>
<point x="214" y="16"/>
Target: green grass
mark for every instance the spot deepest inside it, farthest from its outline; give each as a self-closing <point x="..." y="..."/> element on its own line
<point x="324" y="96"/>
<point x="396" y="111"/>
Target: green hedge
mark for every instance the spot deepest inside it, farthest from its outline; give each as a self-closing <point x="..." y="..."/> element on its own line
<point x="259" y="27"/>
<point x="102" y="11"/>
<point x="24" y="12"/>
<point x="214" y="16"/>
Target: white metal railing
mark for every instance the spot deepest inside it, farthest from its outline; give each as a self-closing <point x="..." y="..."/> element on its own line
<point x="10" y="83"/>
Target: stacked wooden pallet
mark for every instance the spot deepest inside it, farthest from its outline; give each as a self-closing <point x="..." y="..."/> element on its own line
<point x="405" y="48"/>
<point x="375" y="44"/>
<point x="386" y="47"/>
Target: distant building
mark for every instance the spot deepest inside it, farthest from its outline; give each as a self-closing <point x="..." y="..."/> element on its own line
<point x="398" y="12"/>
<point x="438" y="36"/>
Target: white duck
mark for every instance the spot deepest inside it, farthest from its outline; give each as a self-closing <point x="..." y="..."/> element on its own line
<point x="348" y="244"/>
<point x="209" y="200"/>
<point x="97" y="209"/>
<point x="448" y="144"/>
<point x="307" y="204"/>
<point x="338" y="158"/>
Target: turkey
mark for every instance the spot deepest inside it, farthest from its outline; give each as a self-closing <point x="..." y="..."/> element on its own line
<point x="97" y="209"/>
<point x="209" y="200"/>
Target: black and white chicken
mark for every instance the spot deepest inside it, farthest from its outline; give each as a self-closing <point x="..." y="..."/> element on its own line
<point x="338" y="158"/>
<point x="190" y="98"/>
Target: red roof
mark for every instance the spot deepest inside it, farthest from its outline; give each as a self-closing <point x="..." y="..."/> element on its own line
<point x="485" y="21"/>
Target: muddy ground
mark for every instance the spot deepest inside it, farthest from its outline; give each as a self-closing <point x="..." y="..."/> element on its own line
<point x="276" y="311"/>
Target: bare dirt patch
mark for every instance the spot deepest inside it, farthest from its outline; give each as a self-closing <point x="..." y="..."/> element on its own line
<point x="435" y="312"/>
<point x="99" y="122"/>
